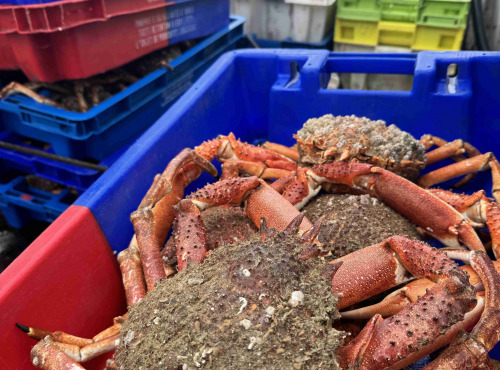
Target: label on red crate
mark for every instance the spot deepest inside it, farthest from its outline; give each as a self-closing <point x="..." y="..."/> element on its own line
<point x="181" y="21"/>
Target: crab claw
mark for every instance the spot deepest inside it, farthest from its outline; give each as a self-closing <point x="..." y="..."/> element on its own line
<point x="433" y="215"/>
<point x="374" y="269"/>
<point x="424" y="326"/>
<point x="471" y="350"/>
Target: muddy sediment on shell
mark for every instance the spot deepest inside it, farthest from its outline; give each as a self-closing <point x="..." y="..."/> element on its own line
<point x="333" y="138"/>
<point x="249" y="305"/>
<point x="353" y="222"/>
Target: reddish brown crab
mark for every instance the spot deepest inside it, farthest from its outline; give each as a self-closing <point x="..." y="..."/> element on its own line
<point x="389" y="259"/>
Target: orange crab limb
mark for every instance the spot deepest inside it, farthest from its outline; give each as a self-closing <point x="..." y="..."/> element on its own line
<point x="261" y="201"/>
<point x="229" y="148"/>
<point x="231" y="169"/>
<point x="189" y="234"/>
<point x="478" y="209"/>
<point x="427" y="324"/>
<point x="132" y="276"/>
<point x="47" y="355"/>
<point x="469" y="165"/>
<point x="433" y="215"/>
<point x="446" y="151"/>
<point x="90" y="351"/>
<point x="291" y="153"/>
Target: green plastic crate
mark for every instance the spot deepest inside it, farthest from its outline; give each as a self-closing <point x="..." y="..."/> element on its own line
<point x="444" y="13"/>
<point x="400" y="10"/>
<point x="366" y="10"/>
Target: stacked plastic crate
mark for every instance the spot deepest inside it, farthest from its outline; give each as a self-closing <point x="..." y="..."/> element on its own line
<point x="414" y="24"/>
<point x="288" y="23"/>
<point x="72" y="40"/>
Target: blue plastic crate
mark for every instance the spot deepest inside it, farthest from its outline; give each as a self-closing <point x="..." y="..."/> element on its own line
<point x="21" y="203"/>
<point x="249" y="92"/>
<point x="108" y="126"/>
<point x="66" y="174"/>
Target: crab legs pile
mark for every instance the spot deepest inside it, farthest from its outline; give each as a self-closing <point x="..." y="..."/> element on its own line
<point x="438" y="308"/>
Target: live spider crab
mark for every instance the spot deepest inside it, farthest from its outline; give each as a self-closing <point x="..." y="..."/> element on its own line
<point x="456" y="305"/>
<point x="154" y="217"/>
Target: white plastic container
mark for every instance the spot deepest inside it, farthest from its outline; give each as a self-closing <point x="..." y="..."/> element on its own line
<point x="364" y="81"/>
<point x="299" y="20"/>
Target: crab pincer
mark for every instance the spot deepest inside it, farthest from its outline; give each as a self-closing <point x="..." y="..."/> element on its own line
<point x="433" y="215"/>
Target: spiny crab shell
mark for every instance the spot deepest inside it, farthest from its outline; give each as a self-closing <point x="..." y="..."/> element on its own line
<point x="250" y="304"/>
<point x="335" y="138"/>
<point x="352" y="222"/>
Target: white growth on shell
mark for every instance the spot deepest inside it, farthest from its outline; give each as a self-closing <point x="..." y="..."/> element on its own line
<point x="296" y="299"/>
<point x="245" y="303"/>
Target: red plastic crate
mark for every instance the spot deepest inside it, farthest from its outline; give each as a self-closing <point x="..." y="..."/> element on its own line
<point x="7" y="58"/>
<point x="59" y="16"/>
<point x="80" y="38"/>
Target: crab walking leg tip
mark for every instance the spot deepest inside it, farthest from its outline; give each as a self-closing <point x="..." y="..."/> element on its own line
<point x="23" y="328"/>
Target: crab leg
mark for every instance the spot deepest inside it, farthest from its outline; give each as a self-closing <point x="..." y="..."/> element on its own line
<point x="478" y="210"/>
<point x="48" y="356"/>
<point x="229" y="148"/>
<point x="446" y="151"/>
<point x="17" y="88"/>
<point x="429" y="141"/>
<point x="478" y="163"/>
<point x="231" y="169"/>
<point x="154" y="217"/>
<point x="291" y="153"/>
<point x="132" y="276"/>
<point x="433" y="215"/>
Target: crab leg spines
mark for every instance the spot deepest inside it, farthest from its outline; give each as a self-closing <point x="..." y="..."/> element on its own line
<point x="189" y="235"/>
<point x="420" y="328"/>
<point x="493" y="223"/>
<point x="132" y="276"/>
<point x="149" y="247"/>
<point x="231" y="191"/>
<point x="47" y="355"/>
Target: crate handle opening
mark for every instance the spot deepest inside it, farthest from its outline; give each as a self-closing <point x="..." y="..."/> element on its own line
<point x="452" y="78"/>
